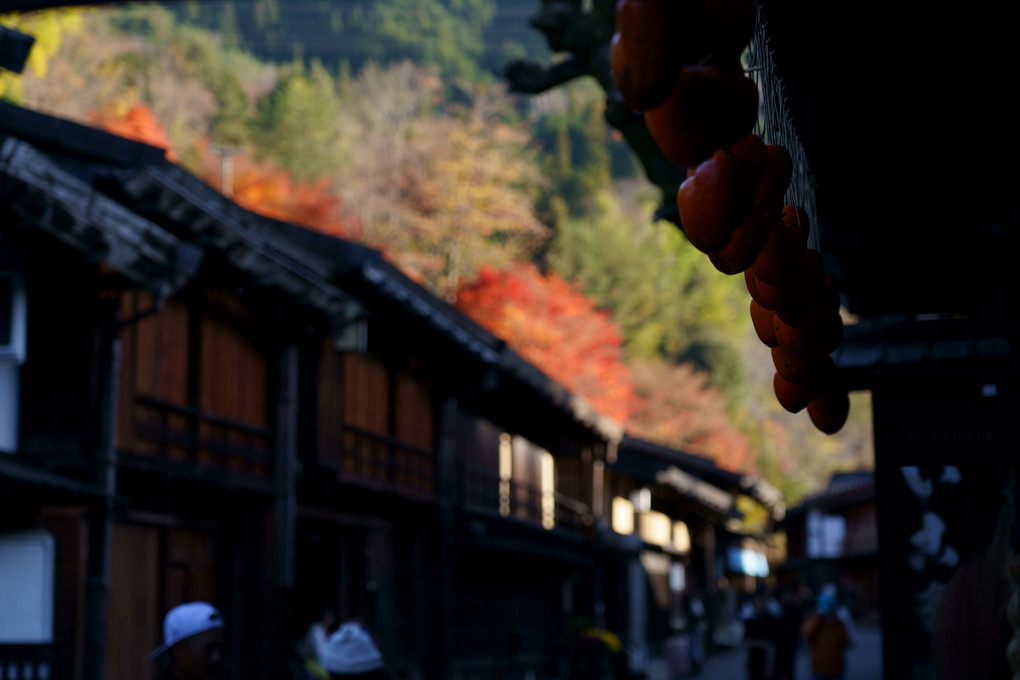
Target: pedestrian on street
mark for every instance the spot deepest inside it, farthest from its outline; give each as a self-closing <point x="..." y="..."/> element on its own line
<point x="350" y="654"/>
<point x="827" y="636"/>
<point x="192" y="646"/>
<point x="697" y="627"/>
<point x="310" y="646"/>
<point x="788" y="634"/>
<point x="759" y="638"/>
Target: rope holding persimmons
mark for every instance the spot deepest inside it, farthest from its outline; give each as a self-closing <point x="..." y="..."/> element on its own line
<point x="679" y="62"/>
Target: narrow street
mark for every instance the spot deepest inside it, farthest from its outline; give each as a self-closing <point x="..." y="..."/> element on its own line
<point x="864" y="661"/>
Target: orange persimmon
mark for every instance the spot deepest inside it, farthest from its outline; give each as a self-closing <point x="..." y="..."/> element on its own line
<point x="793" y="367"/>
<point x="805" y="288"/>
<point x="721" y="193"/>
<point x="747" y="241"/>
<point x="778" y="174"/>
<point x="794" y="397"/>
<point x="647" y="49"/>
<point x="752" y="289"/>
<point x="710" y="106"/>
<point x="830" y="407"/>
<point x="762" y="320"/>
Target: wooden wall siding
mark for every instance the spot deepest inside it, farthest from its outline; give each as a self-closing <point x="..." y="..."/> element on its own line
<point x="329" y="407"/>
<point x="375" y="425"/>
<point x="483" y="492"/>
<point x="415" y="425"/>
<point x="570" y="478"/>
<point x="154" y="363"/>
<point x="235" y="393"/>
<point x="221" y="417"/>
<point x="189" y="567"/>
<point x="478" y="442"/>
<point x="134" y="627"/>
<point x="366" y="393"/>
<point x="68" y="527"/>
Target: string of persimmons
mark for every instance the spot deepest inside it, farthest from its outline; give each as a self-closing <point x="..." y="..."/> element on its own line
<point x="678" y="62"/>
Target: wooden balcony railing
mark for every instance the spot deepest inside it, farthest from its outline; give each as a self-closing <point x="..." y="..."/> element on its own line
<point x="482" y="491"/>
<point x="189" y="434"/>
<point x="373" y="459"/>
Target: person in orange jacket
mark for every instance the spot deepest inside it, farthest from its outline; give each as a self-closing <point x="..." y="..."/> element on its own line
<point x="827" y="636"/>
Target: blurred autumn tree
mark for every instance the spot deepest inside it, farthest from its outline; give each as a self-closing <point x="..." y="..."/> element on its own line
<point x="446" y="34"/>
<point x="265" y="188"/>
<point x="298" y="126"/>
<point x="554" y="326"/>
<point x="137" y="122"/>
<point x="678" y="407"/>
<point x="259" y="186"/>
<point x="444" y="178"/>
<point x="49" y="28"/>
<point x="670" y="302"/>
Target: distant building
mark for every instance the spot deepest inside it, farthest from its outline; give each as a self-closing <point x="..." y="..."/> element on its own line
<point x="832" y="537"/>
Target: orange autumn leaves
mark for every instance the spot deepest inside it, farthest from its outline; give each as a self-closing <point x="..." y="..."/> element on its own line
<point x="256" y="185"/>
<point x="555" y="327"/>
<point x="138" y="123"/>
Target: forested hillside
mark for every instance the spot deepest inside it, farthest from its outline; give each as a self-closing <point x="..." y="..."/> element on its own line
<point x="385" y="121"/>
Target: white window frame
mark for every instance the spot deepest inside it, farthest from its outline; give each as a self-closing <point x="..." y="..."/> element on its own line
<point x="15" y="349"/>
<point x="12" y="355"/>
<point x="27" y="561"/>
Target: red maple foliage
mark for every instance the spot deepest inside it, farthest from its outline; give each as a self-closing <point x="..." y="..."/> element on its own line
<point x="677" y="406"/>
<point x="265" y="188"/>
<point x="138" y="123"/>
<point x="554" y="326"/>
<point x="259" y="186"/>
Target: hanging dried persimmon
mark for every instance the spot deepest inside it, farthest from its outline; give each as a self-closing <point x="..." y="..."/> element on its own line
<point x="778" y="174"/>
<point x="805" y="287"/>
<point x="649" y="46"/>
<point x="774" y="297"/>
<point x="803" y="338"/>
<point x="751" y="235"/>
<point x="794" y="397"/>
<point x="747" y="241"/>
<point x="711" y="106"/>
<point x="719" y="196"/>
<point x="797" y="224"/>
<point x="782" y="256"/>
<point x="762" y="320"/>
<point x="830" y="408"/>
<point x="793" y="367"/>
<point x="752" y="288"/>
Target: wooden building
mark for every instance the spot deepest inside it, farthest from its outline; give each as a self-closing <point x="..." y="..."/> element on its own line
<point x="674" y="526"/>
<point x="832" y="537"/>
<point x="202" y="403"/>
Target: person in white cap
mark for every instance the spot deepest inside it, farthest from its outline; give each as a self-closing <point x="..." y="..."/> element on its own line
<point x="349" y="653"/>
<point x="192" y="642"/>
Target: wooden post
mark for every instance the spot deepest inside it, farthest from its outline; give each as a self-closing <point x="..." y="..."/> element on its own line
<point x="285" y="497"/>
<point x="710" y="584"/>
<point x="446" y="493"/>
<point x="106" y="364"/>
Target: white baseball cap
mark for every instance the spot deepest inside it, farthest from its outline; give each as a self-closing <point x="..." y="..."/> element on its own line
<point x="186" y="620"/>
<point x="350" y="650"/>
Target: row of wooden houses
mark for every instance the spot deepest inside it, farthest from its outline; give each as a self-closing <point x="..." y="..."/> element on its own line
<point x="198" y="402"/>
